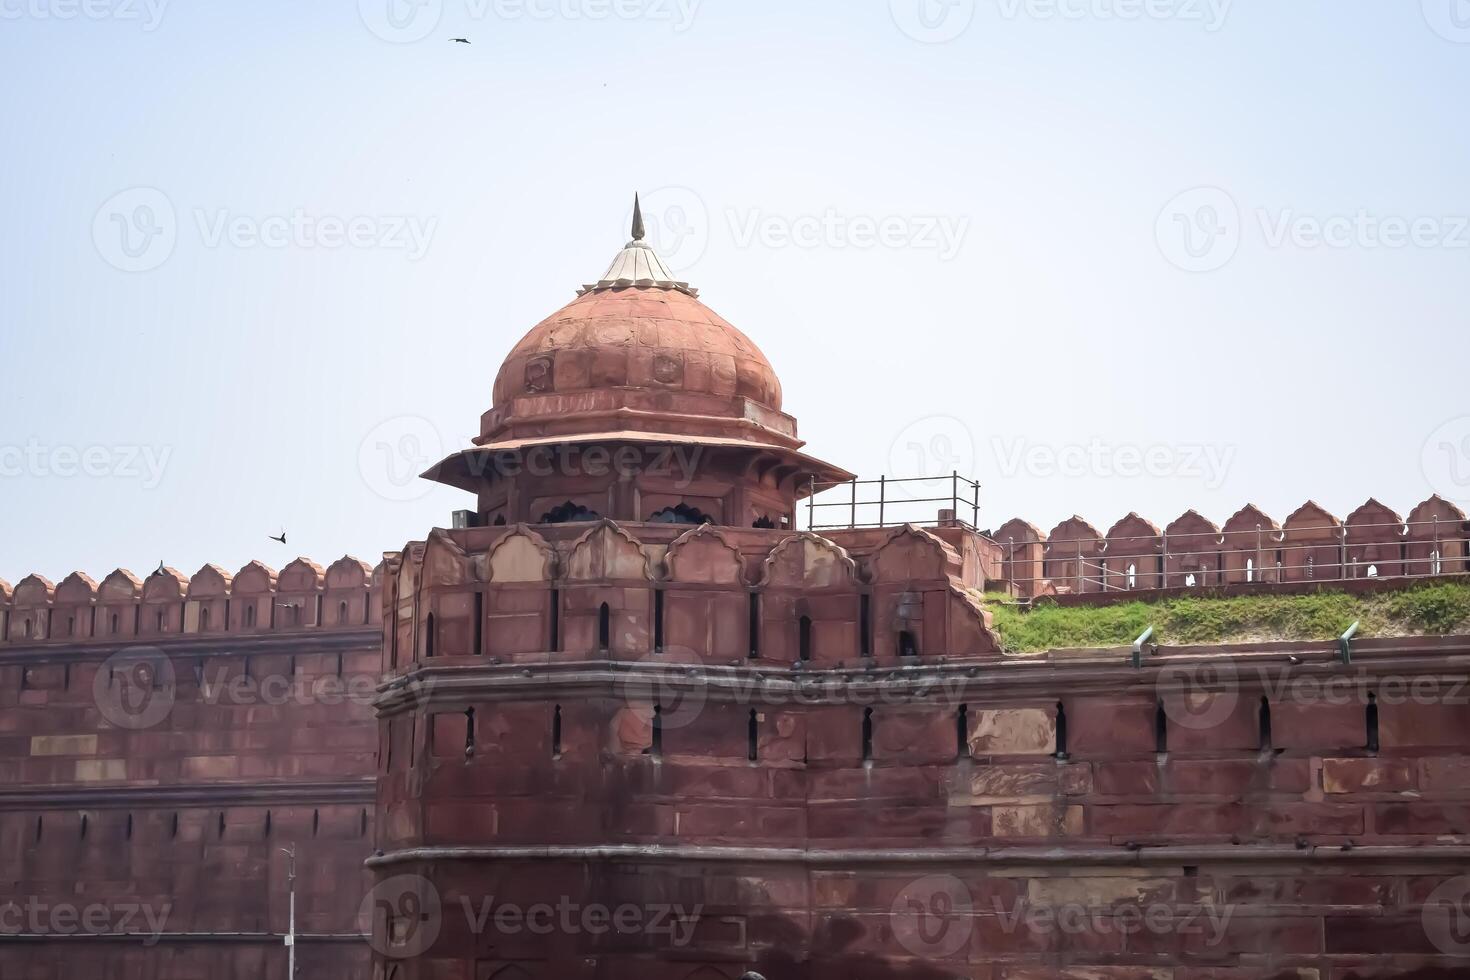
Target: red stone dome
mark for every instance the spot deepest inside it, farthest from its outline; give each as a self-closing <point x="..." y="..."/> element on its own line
<point x="658" y="339"/>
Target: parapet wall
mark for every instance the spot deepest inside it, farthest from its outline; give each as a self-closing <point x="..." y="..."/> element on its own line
<point x="257" y="599"/>
<point x="708" y="594"/>
<point x="1250" y="548"/>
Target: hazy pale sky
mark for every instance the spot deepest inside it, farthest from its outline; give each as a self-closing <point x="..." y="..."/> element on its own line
<point x="262" y="260"/>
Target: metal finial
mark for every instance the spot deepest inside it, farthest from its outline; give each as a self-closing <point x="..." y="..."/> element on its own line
<point x="638" y="229"/>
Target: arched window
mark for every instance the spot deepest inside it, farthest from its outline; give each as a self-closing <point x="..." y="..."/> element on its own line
<point x="1372" y="571"/>
<point x="249" y="616"/>
<point x="1132" y="576"/>
<point x="342" y="612"/>
<point x="908" y="645"/>
<point x="681" y="514"/>
<point x="570" y="513"/>
<point x="204" y="619"/>
<point x="1250" y="569"/>
<point x="765" y="523"/>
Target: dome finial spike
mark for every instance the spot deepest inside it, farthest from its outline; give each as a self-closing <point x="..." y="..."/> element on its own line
<point x="638" y="229"/>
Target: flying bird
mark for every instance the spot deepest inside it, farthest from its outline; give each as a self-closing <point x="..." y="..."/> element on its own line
<point x="281" y="537"/>
<point x="460" y="40"/>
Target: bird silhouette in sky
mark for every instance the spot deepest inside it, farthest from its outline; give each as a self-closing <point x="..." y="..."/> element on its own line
<point x="278" y="537"/>
<point x="460" y="40"/>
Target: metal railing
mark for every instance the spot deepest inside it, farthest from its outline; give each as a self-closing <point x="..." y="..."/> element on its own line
<point x="889" y="502"/>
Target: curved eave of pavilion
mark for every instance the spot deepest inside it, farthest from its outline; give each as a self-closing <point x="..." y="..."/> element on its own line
<point x="469" y="469"/>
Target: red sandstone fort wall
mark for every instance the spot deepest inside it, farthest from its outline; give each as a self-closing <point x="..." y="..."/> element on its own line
<point x="806" y="806"/>
<point x="150" y="774"/>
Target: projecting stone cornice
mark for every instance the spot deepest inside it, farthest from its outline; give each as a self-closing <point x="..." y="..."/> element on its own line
<point x="361" y="791"/>
<point x="948" y="857"/>
<point x="1252" y="667"/>
<point x="332" y="640"/>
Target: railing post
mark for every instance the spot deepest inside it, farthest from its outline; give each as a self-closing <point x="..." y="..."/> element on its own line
<point x="954" y="493"/>
<point x="854" y="502"/>
<point x="882" y="499"/>
<point x="811" y="503"/>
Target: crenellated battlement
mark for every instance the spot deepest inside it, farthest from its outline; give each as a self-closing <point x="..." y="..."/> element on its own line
<point x="256" y="599"/>
<point x="1250" y="548"/>
<point x="527" y="594"/>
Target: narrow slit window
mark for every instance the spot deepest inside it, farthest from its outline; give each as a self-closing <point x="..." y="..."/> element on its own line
<point x="867" y="735"/>
<point x="1161" y="728"/>
<point x="479" y="624"/>
<point x="1061" y="731"/>
<point x="604" y="628"/>
<point x="804" y="637"/>
<point x="469" y="733"/>
<point x="752" y="736"/>
<point x="555" y="620"/>
<point x="556" y="732"/>
<point x="962" y="732"/>
<point x="657" y="748"/>
<point x="1372" y="723"/>
<point x="1264" y="723"/>
<point x="316" y="822"/>
<point x="658" y="620"/>
<point x="865" y="630"/>
<point x="429" y="635"/>
<point x="755" y="625"/>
